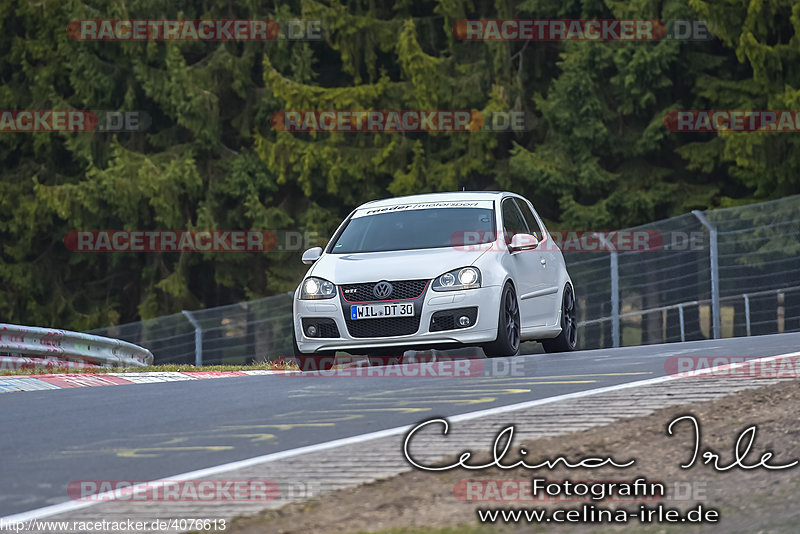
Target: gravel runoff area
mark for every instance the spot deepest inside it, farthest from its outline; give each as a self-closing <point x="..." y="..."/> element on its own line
<point x="754" y="500"/>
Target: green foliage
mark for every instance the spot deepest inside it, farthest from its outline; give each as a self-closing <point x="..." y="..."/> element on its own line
<point x="596" y="153"/>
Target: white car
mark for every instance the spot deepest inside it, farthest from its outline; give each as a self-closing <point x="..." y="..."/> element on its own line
<point x="441" y="271"/>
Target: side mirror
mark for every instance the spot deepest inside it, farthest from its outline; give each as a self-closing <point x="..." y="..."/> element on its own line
<point x="523" y="242"/>
<point x="311" y="255"/>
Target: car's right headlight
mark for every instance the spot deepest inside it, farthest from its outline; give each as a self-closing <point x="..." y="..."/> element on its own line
<point x="314" y="288"/>
<point x="464" y="278"/>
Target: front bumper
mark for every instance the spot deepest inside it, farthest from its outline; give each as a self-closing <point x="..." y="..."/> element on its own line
<point x="483" y="330"/>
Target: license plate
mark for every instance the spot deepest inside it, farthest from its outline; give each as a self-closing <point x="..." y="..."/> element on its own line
<point x="377" y="311"/>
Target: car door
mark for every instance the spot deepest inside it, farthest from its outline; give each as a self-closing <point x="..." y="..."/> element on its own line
<point x="524" y="266"/>
<point x="549" y="257"/>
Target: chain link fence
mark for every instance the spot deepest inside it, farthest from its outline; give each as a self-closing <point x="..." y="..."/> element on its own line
<point x="740" y="270"/>
<point x="257" y="330"/>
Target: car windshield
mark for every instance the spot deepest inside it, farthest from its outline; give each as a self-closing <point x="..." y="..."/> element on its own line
<point x="411" y="229"/>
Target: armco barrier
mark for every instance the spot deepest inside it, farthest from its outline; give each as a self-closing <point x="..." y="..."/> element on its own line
<point x="30" y="341"/>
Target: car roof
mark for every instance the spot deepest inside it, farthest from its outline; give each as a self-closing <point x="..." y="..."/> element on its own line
<point x="455" y="196"/>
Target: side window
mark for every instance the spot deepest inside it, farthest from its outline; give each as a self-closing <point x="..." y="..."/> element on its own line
<point x="513" y="223"/>
<point x="533" y="224"/>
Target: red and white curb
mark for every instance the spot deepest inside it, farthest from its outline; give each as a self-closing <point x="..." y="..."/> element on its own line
<point x="83" y="380"/>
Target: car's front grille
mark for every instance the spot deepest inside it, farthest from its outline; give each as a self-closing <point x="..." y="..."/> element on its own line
<point x="401" y="290"/>
<point x="387" y="327"/>
<point x="408" y="290"/>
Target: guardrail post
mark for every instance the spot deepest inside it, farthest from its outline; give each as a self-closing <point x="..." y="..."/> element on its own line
<point x="713" y="257"/>
<point x="680" y="318"/>
<point x="614" y="298"/>
<point x="614" y="275"/>
<point x="747" y="313"/>
<point x="198" y="338"/>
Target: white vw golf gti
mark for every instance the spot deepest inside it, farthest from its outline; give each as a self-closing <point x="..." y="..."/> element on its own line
<point x="436" y="271"/>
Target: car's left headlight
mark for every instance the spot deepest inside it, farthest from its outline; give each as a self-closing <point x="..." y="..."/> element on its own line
<point x="314" y="288"/>
<point x="464" y="278"/>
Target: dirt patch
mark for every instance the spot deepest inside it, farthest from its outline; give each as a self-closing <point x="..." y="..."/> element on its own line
<point x="754" y="500"/>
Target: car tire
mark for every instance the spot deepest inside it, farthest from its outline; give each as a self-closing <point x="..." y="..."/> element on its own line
<point x="567" y="340"/>
<point x="508" y="326"/>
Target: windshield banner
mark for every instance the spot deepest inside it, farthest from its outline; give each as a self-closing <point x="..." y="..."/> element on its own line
<point x="483" y="204"/>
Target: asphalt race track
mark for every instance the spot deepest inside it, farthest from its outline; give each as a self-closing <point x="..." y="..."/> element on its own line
<point x="151" y="431"/>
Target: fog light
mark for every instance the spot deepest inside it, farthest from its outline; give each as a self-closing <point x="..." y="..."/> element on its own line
<point x="463" y="320"/>
<point x="311" y="330"/>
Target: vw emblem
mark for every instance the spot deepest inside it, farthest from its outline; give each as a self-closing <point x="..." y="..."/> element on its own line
<point x="382" y="290"/>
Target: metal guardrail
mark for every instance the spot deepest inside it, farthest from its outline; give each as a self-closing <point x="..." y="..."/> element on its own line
<point x="31" y="341"/>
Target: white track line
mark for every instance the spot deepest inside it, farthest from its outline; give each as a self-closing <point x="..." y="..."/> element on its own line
<point x="109" y="496"/>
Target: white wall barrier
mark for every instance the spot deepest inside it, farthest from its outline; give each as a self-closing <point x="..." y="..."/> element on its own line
<point x="24" y="342"/>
